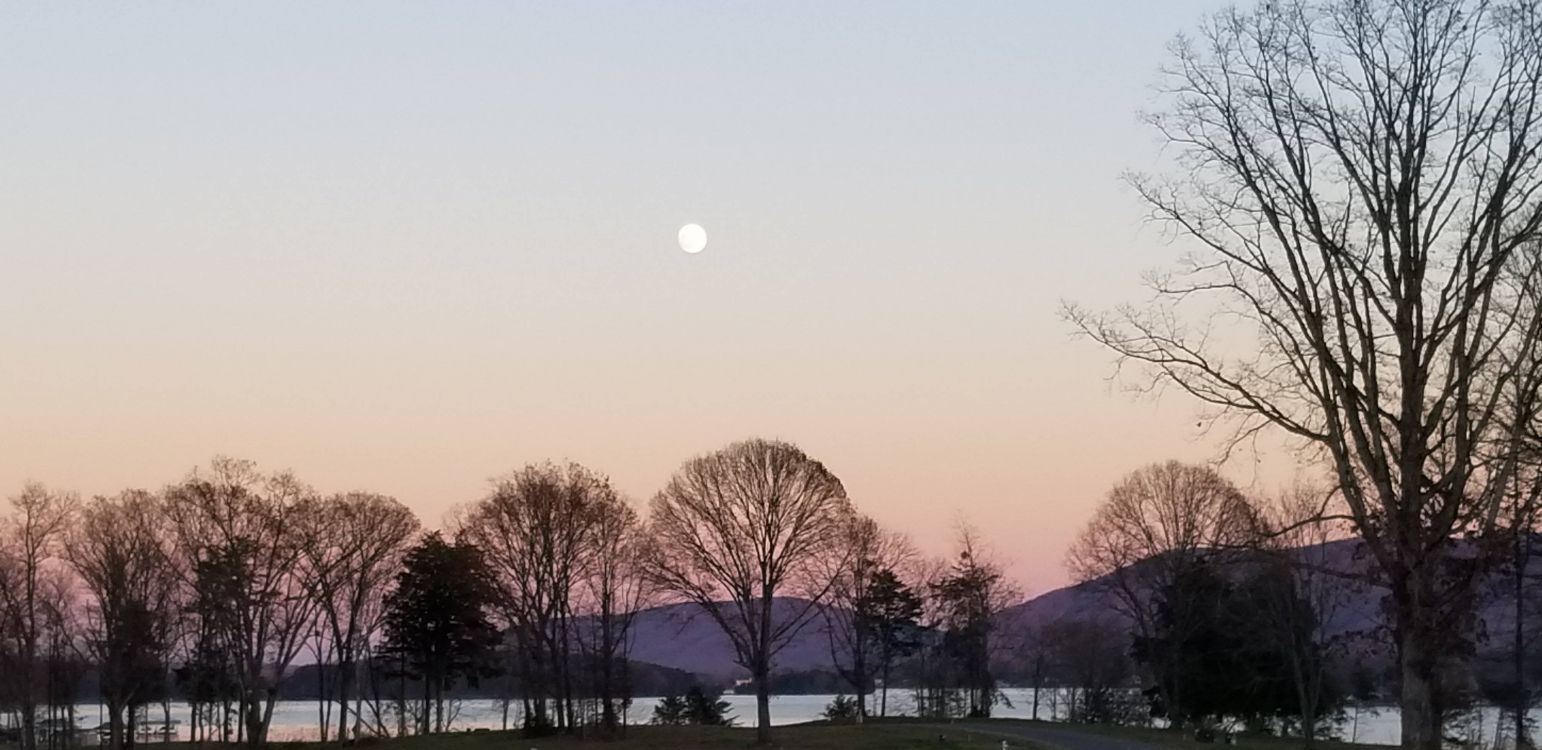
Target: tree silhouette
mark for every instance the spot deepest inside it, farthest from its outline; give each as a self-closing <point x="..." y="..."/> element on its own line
<point x="891" y="612"/>
<point x="1359" y="182"/>
<point x="751" y="522"/>
<point x="436" y="620"/>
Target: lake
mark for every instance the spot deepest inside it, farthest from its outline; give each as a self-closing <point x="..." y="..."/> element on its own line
<point x="297" y="720"/>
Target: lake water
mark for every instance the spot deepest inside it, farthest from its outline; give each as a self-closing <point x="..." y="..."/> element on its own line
<point x="297" y="720"/>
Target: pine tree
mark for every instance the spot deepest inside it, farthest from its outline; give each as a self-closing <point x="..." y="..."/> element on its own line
<point x="967" y="599"/>
<point x="892" y="612"/>
<point x="436" y="620"/>
<point x="671" y="711"/>
<point x="707" y="710"/>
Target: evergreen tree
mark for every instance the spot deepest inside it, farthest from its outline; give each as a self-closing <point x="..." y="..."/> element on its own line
<point x="697" y="707"/>
<point x="891" y="611"/>
<point x="436" y="620"/>
<point x="1218" y="657"/>
<point x="842" y="710"/>
<point x="671" y="711"/>
<point x="211" y="676"/>
<point x="969" y="599"/>
<point x="707" y="710"/>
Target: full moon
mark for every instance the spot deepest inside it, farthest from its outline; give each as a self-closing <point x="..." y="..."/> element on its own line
<point x="693" y="239"/>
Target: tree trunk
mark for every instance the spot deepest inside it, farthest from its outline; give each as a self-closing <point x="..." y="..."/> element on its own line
<point x="439" y="705"/>
<point x="428" y="702"/>
<point x="29" y="713"/>
<point x="358" y="702"/>
<point x="345" y="679"/>
<point x="1421" y="717"/>
<point x="256" y="728"/>
<point x="763" y="669"/>
<point x="322" y="722"/>
<point x="607" y="673"/>
<point x="401" y="702"/>
<point x="763" y="703"/>
<point x="115" y="725"/>
<point x="1522" y="692"/>
<point x="565" y="676"/>
<point x="859" y="667"/>
<point x="883" y="691"/>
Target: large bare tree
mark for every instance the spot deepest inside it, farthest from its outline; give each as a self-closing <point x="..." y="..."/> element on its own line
<point x="614" y="588"/>
<point x="243" y="523"/>
<point x="738" y="528"/>
<point x="1359" y="180"/>
<point x="31" y="540"/>
<point x="1157" y="524"/>
<point x="539" y="532"/>
<point x="65" y="654"/>
<point x="122" y="551"/>
<point x="351" y="545"/>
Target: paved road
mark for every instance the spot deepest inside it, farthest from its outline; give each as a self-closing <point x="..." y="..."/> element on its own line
<point x="1053" y="738"/>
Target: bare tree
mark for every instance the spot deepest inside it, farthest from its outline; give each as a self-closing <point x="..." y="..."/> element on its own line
<point x="1090" y="657"/>
<point x="29" y="551"/>
<point x="615" y="586"/>
<point x="1035" y="651"/>
<point x="933" y="691"/>
<point x="243" y="523"/>
<point x="749" y="523"/>
<point x="538" y="532"/>
<point x="1360" y="180"/>
<point x="121" y="549"/>
<point x="1157" y="524"/>
<point x="65" y="659"/>
<point x="851" y="621"/>
<point x="351" y="546"/>
<point x="1522" y="516"/>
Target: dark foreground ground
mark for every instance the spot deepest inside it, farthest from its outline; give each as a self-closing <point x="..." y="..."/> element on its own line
<point x="798" y="737"/>
<point x="883" y="735"/>
<point x="1059" y="736"/>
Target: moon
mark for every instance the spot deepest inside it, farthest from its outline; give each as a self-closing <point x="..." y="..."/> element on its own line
<point x="693" y="239"/>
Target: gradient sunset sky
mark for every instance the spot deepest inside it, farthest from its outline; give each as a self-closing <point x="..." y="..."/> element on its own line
<point x="409" y="247"/>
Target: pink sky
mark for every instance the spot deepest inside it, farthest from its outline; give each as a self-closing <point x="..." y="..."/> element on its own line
<point x="406" y="251"/>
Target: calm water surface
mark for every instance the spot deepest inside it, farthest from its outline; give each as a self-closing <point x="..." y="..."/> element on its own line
<point x="297" y="720"/>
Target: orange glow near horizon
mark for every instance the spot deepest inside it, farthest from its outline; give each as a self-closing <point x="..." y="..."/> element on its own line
<point x="401" y="252"/>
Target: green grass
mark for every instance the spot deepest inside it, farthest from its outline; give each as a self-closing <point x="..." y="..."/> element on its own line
<point x="797" y="737"/>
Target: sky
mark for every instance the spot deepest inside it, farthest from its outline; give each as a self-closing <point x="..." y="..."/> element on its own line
<point x="408" y="247"/>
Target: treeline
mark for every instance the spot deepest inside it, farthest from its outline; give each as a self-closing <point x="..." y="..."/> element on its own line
<point x="214" y="587"/>
<point x="1238" y="612"/>
<point x="210" y="588"/>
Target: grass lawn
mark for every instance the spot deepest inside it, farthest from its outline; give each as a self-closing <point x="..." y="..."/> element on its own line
<point x="796" y="737"/>
<point x="1181" y="741"/>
